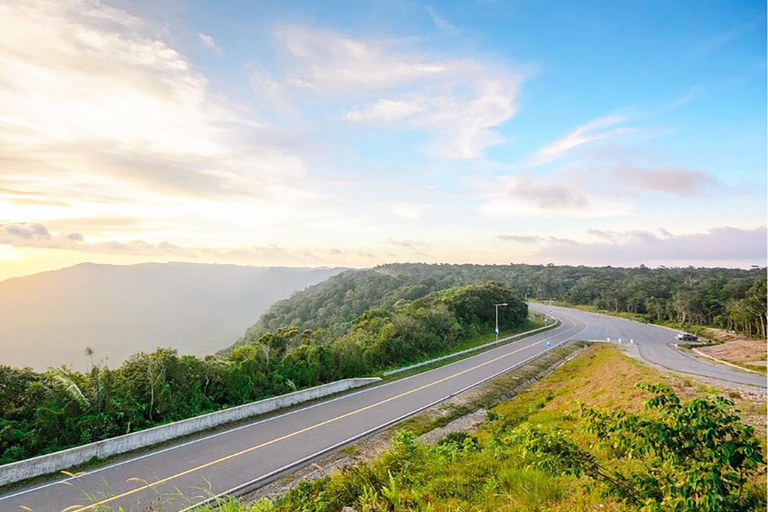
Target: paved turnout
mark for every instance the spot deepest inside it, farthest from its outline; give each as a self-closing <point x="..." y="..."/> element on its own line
<point x="175" y="478"/>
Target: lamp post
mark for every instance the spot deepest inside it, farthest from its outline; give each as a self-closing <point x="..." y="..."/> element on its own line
<point x="497" y="319"/>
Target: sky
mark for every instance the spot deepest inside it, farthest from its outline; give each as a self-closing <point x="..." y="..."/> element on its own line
<point x="326" y="133"/>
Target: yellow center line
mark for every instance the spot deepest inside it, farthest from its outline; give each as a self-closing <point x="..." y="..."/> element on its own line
<point x="296" y="433"/>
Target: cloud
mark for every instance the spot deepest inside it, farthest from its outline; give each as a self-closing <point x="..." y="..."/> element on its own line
<point x="23" y="232"/>
<point x="440" y="22"/>
<point x="527" y="195"/>
<point x="101" y="117"/>
<point x="532" y="239"/>
<point x="673" y="180"/>
<point x="728" y="245"/>
<point x="590" y="191"/>
<point x="722" y="39"/>
<point x="89" y="90"/>
<point x="410" y="211"/>
<point x="458" y="101"/>
<point x="590" y="132"/>
<point x="331" y="64"/>
<point x="523" y="239"/>
<point x="37" y="235"/>
<point x="209" y="43"/>
<point x="269" y="90"/>
<point x="385" y="111"/>
<point x="410" y="244"/>
<point x="604" y="235"/>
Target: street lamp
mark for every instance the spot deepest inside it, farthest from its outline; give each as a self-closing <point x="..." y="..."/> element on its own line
<point x="497" y="319"/>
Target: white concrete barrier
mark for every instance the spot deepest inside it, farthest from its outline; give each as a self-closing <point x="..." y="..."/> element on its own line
<point x="46" y="464"/>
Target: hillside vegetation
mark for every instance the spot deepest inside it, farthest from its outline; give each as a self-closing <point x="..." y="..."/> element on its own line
<point x="44" y="412"/>
<point x="587" y="437"/>
<point x="725" y="298"/>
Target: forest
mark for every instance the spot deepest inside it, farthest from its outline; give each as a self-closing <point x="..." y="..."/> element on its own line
<point x="733" y="299"/>
<point x="61" y="408"/>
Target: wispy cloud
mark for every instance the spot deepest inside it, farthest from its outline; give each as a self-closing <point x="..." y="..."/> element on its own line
<point x="459" y="102"/>
<point x="329" y="63"/>
<point x="405" y="210"/>
<point x="440" y="22"/>
<point x="386" y="111"/>
<point x="413" y="245"/>
<point x="535" y="239"/>
<point x="612" y="190"/>
<point x="268" y="90"/>
<point x="528" y="195"/>
<point x="718" y="40"/>
<point x="209" y="43"/>
<point x="672" y="180"/>
<point x="590" y="132"/>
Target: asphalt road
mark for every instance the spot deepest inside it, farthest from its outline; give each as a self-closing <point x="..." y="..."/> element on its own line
<point x="176" y="477"/>
<point x="655" y="344"/>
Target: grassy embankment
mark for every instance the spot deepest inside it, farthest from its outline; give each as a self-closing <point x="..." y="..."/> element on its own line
<point x="485" y="471"/>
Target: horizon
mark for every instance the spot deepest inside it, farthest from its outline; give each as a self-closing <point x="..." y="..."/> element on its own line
<point x="332" y="267"/>
<point x="330" y="134"/>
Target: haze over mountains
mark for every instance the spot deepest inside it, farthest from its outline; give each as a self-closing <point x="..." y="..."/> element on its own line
<point x="49" y="319"/>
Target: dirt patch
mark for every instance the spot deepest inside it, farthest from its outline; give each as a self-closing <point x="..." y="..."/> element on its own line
<point x="738" y="349"/>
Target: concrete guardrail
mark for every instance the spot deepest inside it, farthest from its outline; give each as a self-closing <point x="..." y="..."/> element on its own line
<point x="50" y="463"/>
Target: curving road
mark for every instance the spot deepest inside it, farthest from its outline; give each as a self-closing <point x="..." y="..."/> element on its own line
<point x="175" y="478"/>
<point x="655" y="344"/>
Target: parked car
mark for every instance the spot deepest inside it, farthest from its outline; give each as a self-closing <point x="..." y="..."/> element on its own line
<point x="686" y="336"/>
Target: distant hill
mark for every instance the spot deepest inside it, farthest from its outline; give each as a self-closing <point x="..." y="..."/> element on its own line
<point x="48" y="319"/>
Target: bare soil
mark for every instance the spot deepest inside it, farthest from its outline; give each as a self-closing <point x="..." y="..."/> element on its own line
<point x="737" y="349"/>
